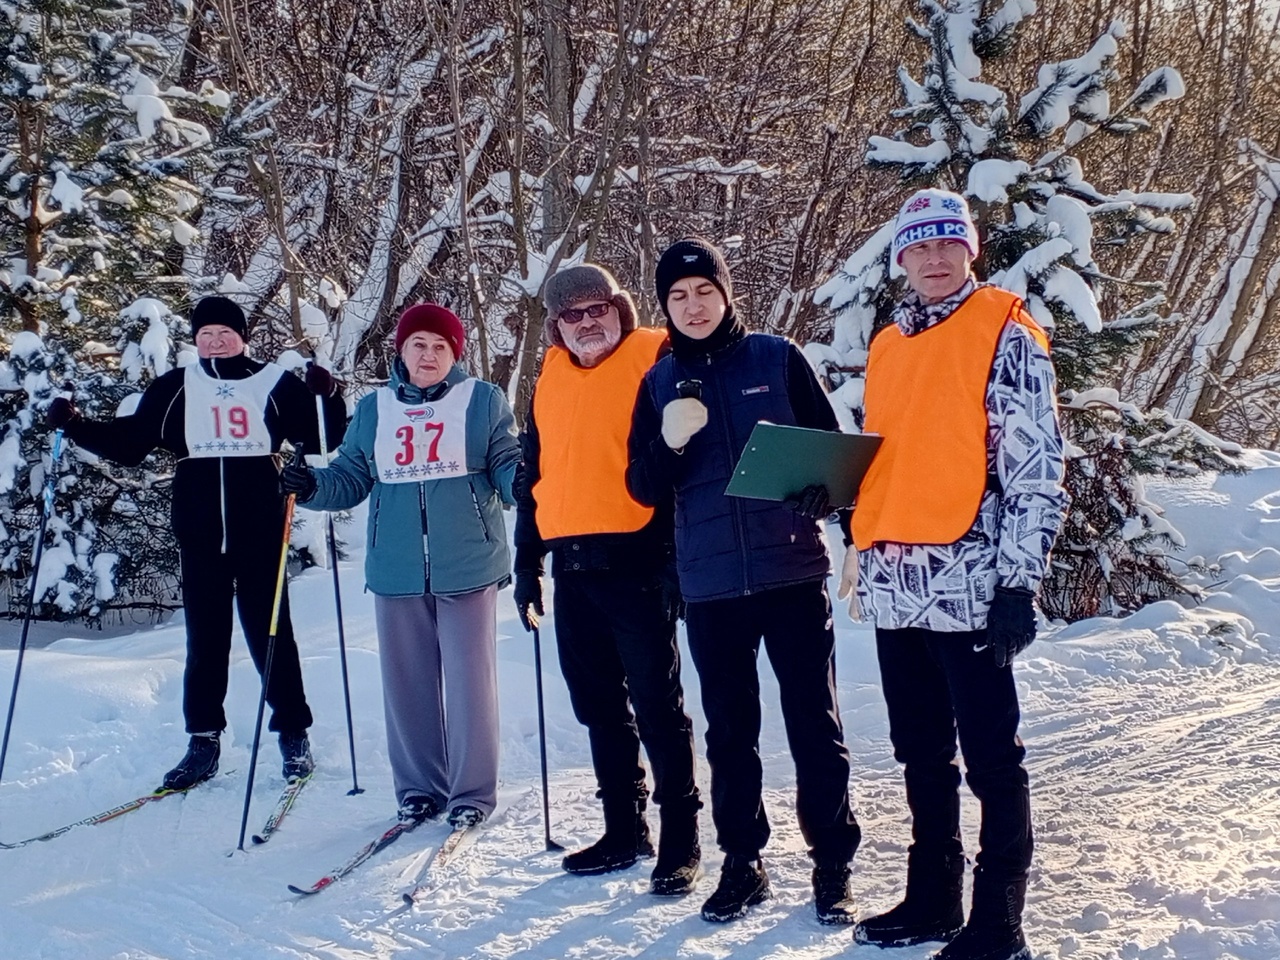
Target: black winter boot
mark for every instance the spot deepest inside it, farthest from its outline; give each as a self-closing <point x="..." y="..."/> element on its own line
<point x="994" y="930"/>
<point x="200" y="763"/>
<point x="831" y="896"/>
<point x="743" y="884"/>
<point x="295" y="748"/>
<point x="626" y="840"/>
<point x="679" y="854"/>
<point x="932" y="909"/>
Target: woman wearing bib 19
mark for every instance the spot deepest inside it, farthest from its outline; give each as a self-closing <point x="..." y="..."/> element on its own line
<point x="436" y="450"/>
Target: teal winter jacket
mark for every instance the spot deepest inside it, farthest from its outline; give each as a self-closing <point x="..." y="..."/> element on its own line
<point x="443" y="536"/>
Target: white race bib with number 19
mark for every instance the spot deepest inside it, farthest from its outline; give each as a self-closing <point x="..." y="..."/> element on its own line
<point x="225" y="418"/>
<point x="422" y="441"/>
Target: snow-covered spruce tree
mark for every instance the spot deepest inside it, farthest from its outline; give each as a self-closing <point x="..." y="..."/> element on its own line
<point x="97" y="188"/>
<point x="1040" y="220"/>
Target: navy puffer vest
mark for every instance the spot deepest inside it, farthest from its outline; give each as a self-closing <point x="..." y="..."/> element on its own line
<point x="730" y="546"/>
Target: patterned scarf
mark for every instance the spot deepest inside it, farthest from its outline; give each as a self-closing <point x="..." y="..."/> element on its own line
<point x="914" y="317"/>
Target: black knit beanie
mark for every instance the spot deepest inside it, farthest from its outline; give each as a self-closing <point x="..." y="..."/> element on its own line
<point x="219" y="310"/>
<point x="691" y="257"/>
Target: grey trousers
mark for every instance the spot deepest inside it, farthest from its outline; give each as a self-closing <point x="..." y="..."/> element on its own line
<point x="440" y="689"/>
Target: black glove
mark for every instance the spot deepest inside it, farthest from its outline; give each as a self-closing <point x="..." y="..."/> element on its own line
<point x="520" y="483"/>
<point x="299" y="479"/>
<point x="1011" y="623"/>
<point x="320" y="381"/>
<point x="61" y="411"/>
<point x="672" y="598"/>
<point x="529" y="594"/>
<point x="812" y="502"/>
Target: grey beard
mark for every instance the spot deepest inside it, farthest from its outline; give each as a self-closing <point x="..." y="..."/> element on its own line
<point x="590" y="354"/>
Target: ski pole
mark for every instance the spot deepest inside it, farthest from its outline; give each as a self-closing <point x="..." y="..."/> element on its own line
<point x="542" y="740"/>
<point x="45" y="512"/>
<point x="271" y="649"/>
<point x="337" y="602"/>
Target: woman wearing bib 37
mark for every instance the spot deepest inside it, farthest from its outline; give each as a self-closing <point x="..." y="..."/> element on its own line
<point x="436" y="450"/>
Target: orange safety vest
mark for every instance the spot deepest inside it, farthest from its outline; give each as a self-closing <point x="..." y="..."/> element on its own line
<point x="926" y="396"/>
<point x="584" y="419"/>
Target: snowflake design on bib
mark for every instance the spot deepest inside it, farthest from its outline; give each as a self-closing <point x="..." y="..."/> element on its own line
<point x="225" y="391"/>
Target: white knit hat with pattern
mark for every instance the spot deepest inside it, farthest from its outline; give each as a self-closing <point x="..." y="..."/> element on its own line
<point x="933" y="215"/>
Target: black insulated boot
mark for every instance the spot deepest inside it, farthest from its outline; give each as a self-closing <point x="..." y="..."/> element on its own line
<point x="994" y="930"/>
<point x="295" y="748"/>
<point x="626" y="840"/>
<point x="200" y="763"/>
<point x="932" y="909"/>
<point x="831" y="896"/>
<point x="679" y="855"/>
<point x="743" y="884"/>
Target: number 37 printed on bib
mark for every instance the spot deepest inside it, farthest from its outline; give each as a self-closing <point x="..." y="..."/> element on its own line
<point x="423" y="441"/>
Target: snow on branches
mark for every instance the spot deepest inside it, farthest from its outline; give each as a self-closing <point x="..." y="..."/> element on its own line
<point x="103" y="163"/>
<point x="1041" y="221"/>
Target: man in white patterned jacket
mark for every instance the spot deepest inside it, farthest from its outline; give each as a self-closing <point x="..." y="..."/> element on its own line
<point x="952" y="529"/>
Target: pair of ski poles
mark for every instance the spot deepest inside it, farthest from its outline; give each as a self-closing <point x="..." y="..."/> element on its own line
<point x="38" y="552"/>
<point x="332" y="540"/>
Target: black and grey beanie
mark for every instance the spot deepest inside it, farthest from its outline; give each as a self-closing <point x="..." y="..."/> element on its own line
<point x="219" y="310"/>
<point x="691" y="257"/>
<point x="583" y="283"/>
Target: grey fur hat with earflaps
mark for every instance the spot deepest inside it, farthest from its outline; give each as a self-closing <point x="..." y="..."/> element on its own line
<point x="584" y="283"/>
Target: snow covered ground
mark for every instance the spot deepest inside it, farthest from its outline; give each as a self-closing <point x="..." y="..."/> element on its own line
<point x="1153" y="744"/>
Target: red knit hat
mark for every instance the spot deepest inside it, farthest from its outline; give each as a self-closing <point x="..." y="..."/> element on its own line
<point x="431" y="318"/>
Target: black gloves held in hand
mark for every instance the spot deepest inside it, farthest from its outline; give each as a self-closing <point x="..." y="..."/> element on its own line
<point x="299" y="479"/>
<point x="529" y="595"/>
<point x="1011" y="623"/>
<point x="320" y="381"/>
<point x="813" y="502"/>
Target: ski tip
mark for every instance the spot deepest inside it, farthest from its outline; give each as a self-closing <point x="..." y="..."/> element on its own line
<point x="408" y="898"/>
<point x="258" y="840"/>
<point x="301" y="892"/>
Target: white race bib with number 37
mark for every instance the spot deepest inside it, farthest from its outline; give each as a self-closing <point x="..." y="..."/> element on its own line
<point x="225" y="418"/>
<point x="422" y="441"/>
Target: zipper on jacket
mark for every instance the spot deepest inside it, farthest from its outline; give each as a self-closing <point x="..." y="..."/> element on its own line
<point x="475" y="502"/>
<point x="377" y="509"/>
<point x="222" y="499"/>
<point x="734" y="507"/>
<point x="426" y="549"/>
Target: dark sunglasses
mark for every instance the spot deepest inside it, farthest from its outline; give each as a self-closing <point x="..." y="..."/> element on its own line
<point x="573" y="315"/>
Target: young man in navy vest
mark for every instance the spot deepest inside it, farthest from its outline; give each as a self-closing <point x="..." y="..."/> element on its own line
<point x="616" y="598"/>
<point x="750" y="571"/>
<point x="224" y="419"/>
<point x="952" y="527"/>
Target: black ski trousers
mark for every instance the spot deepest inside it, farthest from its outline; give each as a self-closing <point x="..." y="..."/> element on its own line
<point x="617" y="648"/>
<point x="937" y="686"/>
<point x="724" y="639"/>
<point x="210" y="580"/>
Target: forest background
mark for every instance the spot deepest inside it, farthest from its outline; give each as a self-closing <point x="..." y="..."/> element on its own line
<point x="328" y="162"/>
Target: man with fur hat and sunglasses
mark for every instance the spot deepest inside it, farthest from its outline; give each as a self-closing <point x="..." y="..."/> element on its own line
<point x="615" y="599"/>
<point x="751" y="571"/>
<point x="224" y="419"/>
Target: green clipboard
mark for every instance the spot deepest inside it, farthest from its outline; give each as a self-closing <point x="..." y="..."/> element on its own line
<point x="780" y="461"/>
